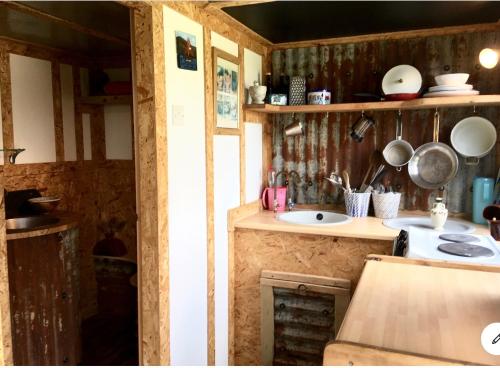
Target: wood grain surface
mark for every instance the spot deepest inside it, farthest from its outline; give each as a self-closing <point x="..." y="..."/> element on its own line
<point x="432" y="311"/>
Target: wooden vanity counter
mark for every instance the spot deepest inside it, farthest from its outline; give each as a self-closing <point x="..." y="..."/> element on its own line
<point x="416" y="312"/>
<point x="360" y="227"/>
<point x="66" y="221"/>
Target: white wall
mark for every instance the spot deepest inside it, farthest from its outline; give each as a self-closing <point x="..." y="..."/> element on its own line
<point x="253" y="161"/>
<point x="118" y="132"/>
<point x="87" y="137"/>
<point x="68" y="112"/>
<point x="226" y="196"/>
<point x="253" y="70"/>
<point x="32" y="109"/>
<point x="187" y="223"/>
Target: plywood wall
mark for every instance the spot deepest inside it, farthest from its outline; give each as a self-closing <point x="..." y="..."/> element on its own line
<point x="359" y="67"/>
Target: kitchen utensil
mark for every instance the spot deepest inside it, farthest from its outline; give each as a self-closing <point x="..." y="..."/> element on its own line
<point x="404" y="79"/>
<point x="398" y="152"/>
<point x="459" y="238"/>
<point x="45" y="204"/>
<point x="294" y="129"/>
<point x="439" y="214"/>
<point x="345" y="175"/>
<point x="482" y="196"/>
<point x="460" y="87"/>
<point x="473" y="137"/>
<point x="356" y="204"/>
<point x="434" y="164"/>
<point x="336" y="180"/>
<point x="386" y="205"/>
<point x="361" y="126"/>
<point x="451" y="79"/>
<point x="375" y="178"/>
<point x="321" y="97"/>
<point x="471" y="92"/>
<point x="297" y="93"/>
<point x="388" y="97"/>
<point x="375" y="160"/>
<point x="268" y="198"/>
<point x="401" y="96"/>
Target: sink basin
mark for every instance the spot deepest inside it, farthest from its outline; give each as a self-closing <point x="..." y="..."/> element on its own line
<point x="422" y="222"/>
<point x="29" y="223"/>
<point x="314" y="218"/>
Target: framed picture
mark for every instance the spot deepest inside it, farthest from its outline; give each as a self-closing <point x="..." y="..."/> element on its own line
<point x="186" y="51"/>
<point x="226" y="90"/>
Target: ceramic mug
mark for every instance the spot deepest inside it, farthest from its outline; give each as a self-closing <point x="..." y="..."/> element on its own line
<point x="268" y="198"/>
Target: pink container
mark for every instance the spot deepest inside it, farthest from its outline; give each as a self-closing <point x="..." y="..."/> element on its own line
<point x="268" y="198"/>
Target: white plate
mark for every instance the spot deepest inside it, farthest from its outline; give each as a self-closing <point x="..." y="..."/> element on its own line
<point x="451" y="93"/>
<point x="460" y="87"/>
<point x="402" y="79"/>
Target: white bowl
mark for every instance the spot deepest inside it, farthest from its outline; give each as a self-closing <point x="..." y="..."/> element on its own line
<point x="473" y="137"/>
<point x="452" y="79"/>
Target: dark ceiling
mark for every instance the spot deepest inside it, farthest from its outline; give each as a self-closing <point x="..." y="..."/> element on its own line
<point x="106" y="17"/>
<point x="290" y="21"/>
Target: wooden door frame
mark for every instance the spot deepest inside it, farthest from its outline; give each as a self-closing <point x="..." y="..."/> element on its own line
<point x="148" y="71"/>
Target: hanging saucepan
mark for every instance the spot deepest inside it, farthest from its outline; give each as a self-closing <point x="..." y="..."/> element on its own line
<point x="473" y="137"/>
<point x="434" y="164"/>
<point x="398" y="152"/>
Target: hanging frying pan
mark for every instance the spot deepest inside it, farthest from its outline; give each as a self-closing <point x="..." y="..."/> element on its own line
<point x="434" y="164"/>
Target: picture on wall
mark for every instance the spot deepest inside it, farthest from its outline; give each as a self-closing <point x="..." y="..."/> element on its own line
<point x="227" y="92"/>
<point x="186" y="51"/>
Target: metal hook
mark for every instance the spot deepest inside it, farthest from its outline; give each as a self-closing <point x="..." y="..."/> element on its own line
<point x="327" y="114"/>
<point x="362" y="113"/>
<point x="436" y="113"/>
<point x="474" y="109"/>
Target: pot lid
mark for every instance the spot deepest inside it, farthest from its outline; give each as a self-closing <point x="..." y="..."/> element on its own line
<point x="402" y="79"/>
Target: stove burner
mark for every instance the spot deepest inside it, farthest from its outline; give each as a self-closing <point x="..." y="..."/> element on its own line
<point x="458" y="238"/>
<point x="465" y="250"/>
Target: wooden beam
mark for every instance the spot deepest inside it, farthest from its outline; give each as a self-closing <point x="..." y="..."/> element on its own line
<point x="483" y="27"/>
<point x="64" y="22"/>
<point x="229" y="4"/>
<point x="151" y="182"/>
<point x="58" y="114"/>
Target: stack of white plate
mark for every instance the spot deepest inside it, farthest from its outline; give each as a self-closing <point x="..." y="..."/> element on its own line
<point x="453" y="84"/>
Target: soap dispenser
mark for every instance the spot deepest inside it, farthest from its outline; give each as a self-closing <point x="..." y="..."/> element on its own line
<point x="439" y="214"/>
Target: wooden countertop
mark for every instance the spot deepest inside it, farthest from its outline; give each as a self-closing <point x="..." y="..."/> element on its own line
<point x="66" y="221"/>
<point x="422" y="308"/>
<point x="360" y="227"/>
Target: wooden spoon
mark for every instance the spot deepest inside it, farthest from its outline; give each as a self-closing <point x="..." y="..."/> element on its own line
<point x="345" y="175"/>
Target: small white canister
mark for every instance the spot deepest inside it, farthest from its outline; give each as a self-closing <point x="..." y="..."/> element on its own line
<point x="321" y="97"/>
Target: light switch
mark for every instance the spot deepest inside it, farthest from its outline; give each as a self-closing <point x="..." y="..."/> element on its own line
<point x="178" y="115"/>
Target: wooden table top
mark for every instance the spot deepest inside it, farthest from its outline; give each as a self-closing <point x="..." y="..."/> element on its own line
<point x="434" y="311"/>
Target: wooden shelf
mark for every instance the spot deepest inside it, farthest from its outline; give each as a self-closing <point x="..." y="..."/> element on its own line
<point x="417" y="104"/>
<point x="107" y="100"/>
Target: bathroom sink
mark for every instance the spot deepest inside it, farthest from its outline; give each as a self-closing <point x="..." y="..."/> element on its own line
<point x="29" y="223"/>
<point x="422" y="222"/>
<point x="314" y="218"/>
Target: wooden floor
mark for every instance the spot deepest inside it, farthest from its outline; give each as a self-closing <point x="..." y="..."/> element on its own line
<point x="109" y="341"/>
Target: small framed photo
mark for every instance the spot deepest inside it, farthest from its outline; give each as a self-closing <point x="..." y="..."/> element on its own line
<point x="186" y="51"/>
<point x="226" y="90"/>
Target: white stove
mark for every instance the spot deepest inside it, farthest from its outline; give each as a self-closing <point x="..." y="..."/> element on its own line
<point x="423" y="244"/>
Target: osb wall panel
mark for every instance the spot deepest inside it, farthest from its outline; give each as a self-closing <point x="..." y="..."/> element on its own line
<point x="359" y="67"/>
<point x="256" y="250"/>
<point x="95" y="193"/>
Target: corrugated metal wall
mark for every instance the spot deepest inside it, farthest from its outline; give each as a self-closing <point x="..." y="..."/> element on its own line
<point x="349" y="68"/>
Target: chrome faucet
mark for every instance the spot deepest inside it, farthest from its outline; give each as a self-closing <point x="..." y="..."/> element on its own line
<point x="275" y="198"/>
<point x="290" y="177"/>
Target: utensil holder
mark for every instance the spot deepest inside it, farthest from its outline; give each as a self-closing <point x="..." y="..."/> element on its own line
<point x="386" y="205"/>
<point x="356" y="204"/>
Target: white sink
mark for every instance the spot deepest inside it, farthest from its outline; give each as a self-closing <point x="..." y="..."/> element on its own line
<point x="422" y="222"/>
<point x="314" y="218"/>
